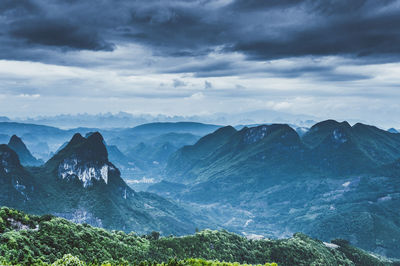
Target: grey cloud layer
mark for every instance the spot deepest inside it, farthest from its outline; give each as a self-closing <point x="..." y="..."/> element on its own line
<point x="262" y="30"/>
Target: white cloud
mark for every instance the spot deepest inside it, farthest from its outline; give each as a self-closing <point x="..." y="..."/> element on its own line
<point x="131" y="76"/>
<point x="197" y="96"/>
<point x="32" y="96"/>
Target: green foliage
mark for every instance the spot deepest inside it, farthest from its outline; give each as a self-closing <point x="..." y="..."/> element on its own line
<point x="47" y="239"/>
<point x="359" y="256"/>
<point x="69" y="260"/>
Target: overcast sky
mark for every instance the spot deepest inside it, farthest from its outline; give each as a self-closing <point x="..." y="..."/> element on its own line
<point x="331" y="58"/>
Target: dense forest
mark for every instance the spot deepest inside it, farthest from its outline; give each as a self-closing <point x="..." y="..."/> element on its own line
<point x="28" y="239"/>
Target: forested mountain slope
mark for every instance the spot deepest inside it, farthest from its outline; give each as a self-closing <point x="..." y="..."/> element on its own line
<point x="336" y="180"/>
<point x="29" y="239"/>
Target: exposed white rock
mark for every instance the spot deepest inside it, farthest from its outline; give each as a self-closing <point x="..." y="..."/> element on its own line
<point x="147" y="206"/>
<point x="338" y="136"/>
<point x="85" y="172"/>
<point x="255" y="134"/>
<point x="385" y="198"/>
<point x="346" y="184"/>
<point x="253" y="236"/>
<point x="17" y="225"/>
<point x="19" y="186"/>
<point x="104" y="173"/>
<point x="248" y="222"/>
<point x="144" y="180"/>
<point x="4" y="162"/>
<point x="331" y="245"/>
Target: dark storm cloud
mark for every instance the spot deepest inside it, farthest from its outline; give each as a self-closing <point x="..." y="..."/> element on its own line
<point x="261" y="30"/>
<point x="375" y="35"/>
<point x="60" y="33"/>
<point x="310" y="68"/>
<point x="181" y="29"/>
<point x="240" y="5"/>
<point x="12" y="7"/>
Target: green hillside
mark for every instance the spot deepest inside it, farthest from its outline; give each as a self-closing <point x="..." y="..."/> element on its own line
<point x="31" y="239"/>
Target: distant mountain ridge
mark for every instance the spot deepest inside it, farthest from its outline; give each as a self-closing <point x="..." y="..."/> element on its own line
<point x="168" y="127"/>
<point x="393" y="130"/>
<point x="123" y="119"/>
<point x="344" y="149"/>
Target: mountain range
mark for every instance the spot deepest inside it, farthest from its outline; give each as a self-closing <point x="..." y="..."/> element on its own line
<point x="332" y="180"/>
<point x="82" y="185"/>
<point x="124" y="120"/>
<point x="140" y="152"/>
<point x="336" y="180"/>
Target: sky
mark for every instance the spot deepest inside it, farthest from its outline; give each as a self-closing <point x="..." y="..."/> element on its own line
<point x="331" y="59"/>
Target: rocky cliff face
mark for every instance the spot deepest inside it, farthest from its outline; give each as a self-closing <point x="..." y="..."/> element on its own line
<point x="86" y="172"/>
<point x="84" y="159"/>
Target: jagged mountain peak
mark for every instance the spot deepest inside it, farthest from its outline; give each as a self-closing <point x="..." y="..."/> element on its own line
<point x="25" y="156"/>
<point x="280" y="131"/>
<point x="224" y="130"/>
<point x="76" y="139"/>
<point x="15" y="139"/>
<point x="85" y="159"/>
<point x="95" y="137"/>
<point x="91" y="148"/>
<point x="327" y="131"/>
<point x="17" y="144"/>
<point x="329" y="125"/>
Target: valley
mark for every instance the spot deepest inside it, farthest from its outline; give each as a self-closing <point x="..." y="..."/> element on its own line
<point x="330" y="181"/>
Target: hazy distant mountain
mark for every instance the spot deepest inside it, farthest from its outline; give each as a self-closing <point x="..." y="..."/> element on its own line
<point x="24" y="155"/>
<point x="169" y="127"/>
<point x="118" y="158"/>
<point x="4" y="119"/>
<point x="32" y="134"/>
<point x="107" y="120"/>
<point x="147" y="159"/>
<point x="336" y="180"/>
<point x="4" y="138"/>
<point x="124" y="120"/>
